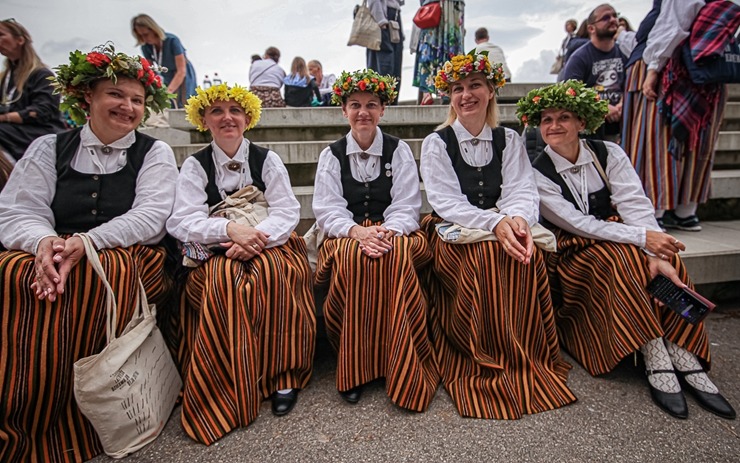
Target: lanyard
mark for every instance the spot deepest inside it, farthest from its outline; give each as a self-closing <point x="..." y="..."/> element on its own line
<point x="582" y="199"/>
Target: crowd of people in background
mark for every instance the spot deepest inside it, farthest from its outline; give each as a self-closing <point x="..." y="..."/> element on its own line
<point x="479" y="295"/>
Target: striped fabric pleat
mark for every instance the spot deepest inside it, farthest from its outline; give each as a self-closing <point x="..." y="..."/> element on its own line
<point x="603" y="312"/>
<point x="249" y="329"/>
<point x="645" y="137"/>
<point x="40" y="341"/>
<point x="494" y="330"/>
<point x="376" y="318"/>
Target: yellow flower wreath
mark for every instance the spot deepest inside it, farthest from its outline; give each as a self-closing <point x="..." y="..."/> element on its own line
<point x="203" y="98"/>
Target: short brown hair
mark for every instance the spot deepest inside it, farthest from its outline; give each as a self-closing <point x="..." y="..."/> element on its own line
<point x="481" y="33"/>
<point x="273" y="53"/>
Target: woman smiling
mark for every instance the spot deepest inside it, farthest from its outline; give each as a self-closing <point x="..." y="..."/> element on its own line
<point x="367" y="203"/>
<point x="115" y="185"/>
<point x="493" y="324"/>
<point x="252" y="301"/>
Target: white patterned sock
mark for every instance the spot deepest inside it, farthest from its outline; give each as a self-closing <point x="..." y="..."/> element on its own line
<point x="284" y="391"/>
<point x="656" y="358"/>
<point x="684" y="360"/>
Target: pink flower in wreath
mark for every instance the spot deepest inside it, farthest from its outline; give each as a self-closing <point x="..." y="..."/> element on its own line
<point x="570" y="92"/>
<point x="536" y="100"/>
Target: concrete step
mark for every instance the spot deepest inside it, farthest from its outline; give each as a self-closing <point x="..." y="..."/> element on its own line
<point x="725" y="184"/>
<point x="712" y="255"/>
<point x="307" y="152"/>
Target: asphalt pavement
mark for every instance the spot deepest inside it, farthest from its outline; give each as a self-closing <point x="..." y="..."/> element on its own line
<point x="613" y="420"/>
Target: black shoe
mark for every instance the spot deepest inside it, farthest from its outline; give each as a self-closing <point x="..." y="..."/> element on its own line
<point x="674" y="403"/>
<point x="353" y="395"/>
<point x="690" y="223"/>
<point x="714" y="403"/>
<point x="282" y="404"/>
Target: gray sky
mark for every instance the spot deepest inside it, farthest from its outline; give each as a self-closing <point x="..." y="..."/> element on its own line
<point x="222" y="35"/>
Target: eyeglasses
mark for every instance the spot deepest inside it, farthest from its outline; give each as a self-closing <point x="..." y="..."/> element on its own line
<point x="606" y="17"/>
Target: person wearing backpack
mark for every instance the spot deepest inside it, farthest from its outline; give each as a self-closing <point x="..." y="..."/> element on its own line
<point x="609" y="248"/>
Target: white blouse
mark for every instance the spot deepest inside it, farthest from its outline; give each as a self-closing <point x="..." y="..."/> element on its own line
<point x="671" y="27"/>
<point x="518" y="189"/>
<point x="190" y="221"/>
<point x="25" y="203"/>
<point x="582" y="177"/>
<point x="330" y="207"/>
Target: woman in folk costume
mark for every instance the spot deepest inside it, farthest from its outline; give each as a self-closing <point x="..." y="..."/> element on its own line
<point x="609" y="248"/>
<point x="367" y="203"/>
<point x="670" y="125"/>
<point x="248" y="311"/>
<point x="114" y="184"/>
<point x="493" y="323"/>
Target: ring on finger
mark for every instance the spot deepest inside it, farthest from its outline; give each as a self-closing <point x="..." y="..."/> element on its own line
<point x="675" y="242"/>
<point x="256" y="247"/>
<point x="663" y="256"/>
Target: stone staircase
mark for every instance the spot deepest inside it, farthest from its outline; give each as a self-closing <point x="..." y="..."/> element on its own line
<point x="298" y="135"/>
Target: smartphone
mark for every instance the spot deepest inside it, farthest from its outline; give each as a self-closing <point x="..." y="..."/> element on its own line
<point x="686" y="302"/>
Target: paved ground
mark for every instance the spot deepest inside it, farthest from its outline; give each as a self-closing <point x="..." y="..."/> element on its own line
<point x="614" y="420"/>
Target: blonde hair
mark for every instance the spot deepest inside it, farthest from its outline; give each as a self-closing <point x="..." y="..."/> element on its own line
<point x="144" y="20"/>
<point x="491" y="111"/>
<point x="299" y="68"/>
<point x="29" y="60"/>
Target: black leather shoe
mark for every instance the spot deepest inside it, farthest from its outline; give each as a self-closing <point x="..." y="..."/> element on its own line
<point x="282" y="404"/>
<point x="714" y="403"/>
<point x="353" y="395"/>
<point x="674" y="403"/>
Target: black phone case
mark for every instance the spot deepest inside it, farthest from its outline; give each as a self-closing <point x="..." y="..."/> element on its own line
<point x="685" y="302"/>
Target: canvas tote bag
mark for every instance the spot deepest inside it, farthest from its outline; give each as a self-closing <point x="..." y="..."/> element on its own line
<point x="365" y="31"/>
<point x="129" y="389"/>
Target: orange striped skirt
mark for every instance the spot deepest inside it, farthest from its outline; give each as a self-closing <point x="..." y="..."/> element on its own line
<point x="40" y="341"/>
<point x="494" y="330"/>
<point x="376" y="318"/>
<point x="249" y="329"/>
<point x="645" y="137"/>
<point x="603" y="311"/>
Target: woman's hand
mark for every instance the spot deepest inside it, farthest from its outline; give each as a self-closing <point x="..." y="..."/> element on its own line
<point x="516" y="238"/>
<point x="375" y="240"/>
<point x="47" y="277"/>
<point x="236" y="252"/>
<point x="657" y="265"/>
<point x="67" y="259"/>
<point x="247" y="237"/>
<point x="650" y="84"/>
<point x="663" y="245"/>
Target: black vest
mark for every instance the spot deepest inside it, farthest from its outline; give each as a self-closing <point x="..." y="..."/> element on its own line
<point x="599" y="202"/>
<point x="367" y="200"/>
<point x="255" y="160"/>
<point x="641" y="35"/>
<point x="481" y="185"/>
<point x="85" y="201"/>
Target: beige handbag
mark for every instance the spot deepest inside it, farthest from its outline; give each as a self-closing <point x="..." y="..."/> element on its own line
<point x="129" y="389"/>
<point x="365" y="30"/>
<point x="247" y="206"/>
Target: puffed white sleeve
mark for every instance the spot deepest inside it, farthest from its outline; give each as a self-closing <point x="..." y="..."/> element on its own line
<point x="671" y="27"/>
<point x="25" y="203"/>
<point x="145" y="222"/>
<point x="329" y="205"/>
<point x="284" y="210"/>
<point x="402" y="216"/>
<point x="519" y="197"/>
<point x="189" y="220"/>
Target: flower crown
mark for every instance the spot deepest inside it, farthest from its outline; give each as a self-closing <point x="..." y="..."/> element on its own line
<point x="571" y="95"/>
<point x="460" y="66"/>
<point x="203" y="98"/>
<point x="73" y="80"/>
<point x="364" y="80"/>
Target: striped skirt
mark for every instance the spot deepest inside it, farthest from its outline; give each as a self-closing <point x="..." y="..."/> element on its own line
<point x="376" y="318"/>
<point x="603" y="311"/>
<point x="645" y="137"/>
<point x="249" y="329"/>
<point x="40" y="341"/>
<point x="494" y="330"/>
